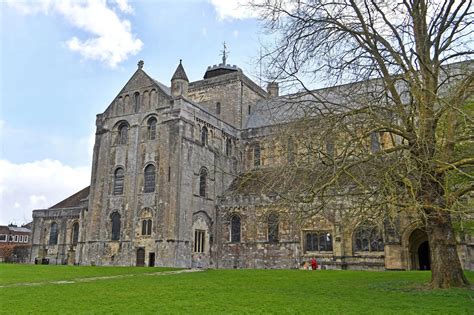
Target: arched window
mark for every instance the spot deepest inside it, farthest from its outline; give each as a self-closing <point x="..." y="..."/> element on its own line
<point x="75" y="233"/>
<point x="151" y="128"/>
<point x="235" y="229"/>
<point x="218" y="108"/>
<point x="149" y="178"/>
<point x="256" y="154"/>
<point x="53" y="234"/>
<point x="136" y="99"/>
<point x="122" y="134"/>
<point x="119" y="177"/>
<point x="203" y="182"/>
<point x="204" y="135"/>
<point x="228" y="147"/>
<point x="368" y="238"/>
<point x="146" y="227"/>
<point x="115" y="218"/>
<point x="273" y="228"/>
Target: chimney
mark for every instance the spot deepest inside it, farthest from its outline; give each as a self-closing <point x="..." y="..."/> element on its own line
<point x="272" y="89"/>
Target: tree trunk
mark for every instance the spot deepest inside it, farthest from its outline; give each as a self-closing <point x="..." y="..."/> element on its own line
<point x="446" y="270"/>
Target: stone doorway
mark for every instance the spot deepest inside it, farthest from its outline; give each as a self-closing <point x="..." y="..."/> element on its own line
<point x="140" y="257"/>
<point x="424" y="259"/>
<point x="151" y="260"/>
<point x="419" y="250"/>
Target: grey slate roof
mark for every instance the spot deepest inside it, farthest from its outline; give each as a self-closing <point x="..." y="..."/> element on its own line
<point x="285" y="109"/>
<point x="334" y="100"/>
<point x="19" y="229"/>
<point x="74" y="200"/>
<point x="163" y="87"/>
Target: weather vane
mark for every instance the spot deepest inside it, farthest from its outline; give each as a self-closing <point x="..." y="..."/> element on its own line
<point x="224" y="54"/>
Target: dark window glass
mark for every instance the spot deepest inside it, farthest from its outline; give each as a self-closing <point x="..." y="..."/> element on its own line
<point x="203" y="182"/>
<point x="136" y="98"/>
<point x="325" y="241"/>
<point x="119" y="178"/>
<point x="123" y="134"/>
<point x="149" y="178"/>
<point x="115" y="218"/>
<point x="368" y="238"/>
<point x="148" y="227"/>
<point x="256" y="155"/>
<point x="228" y="147"/>
<point x="311" y="242"/>
<point x="273" y="228"/>
<point x="75" y="233"/>
<point x="204" y="134"/>
<point x="235" y="229"/>
<point x="53" y="234"/>
<point x="318" y="241"/>
<point x="151" y="128"/>
<point x="144" y="224"/>
<point x="199" y="238"/>
<point x="218" y="108"/>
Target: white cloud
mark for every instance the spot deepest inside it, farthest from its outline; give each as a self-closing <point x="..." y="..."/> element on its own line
<point x="229" y="9"/>
<point x="111" y="41"/>
<point x="35" y="185"/>
<point x="235" y="33"/>
<point x="124" y="6"/>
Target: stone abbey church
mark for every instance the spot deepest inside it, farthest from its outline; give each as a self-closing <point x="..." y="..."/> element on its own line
<point x="163" y="190"/>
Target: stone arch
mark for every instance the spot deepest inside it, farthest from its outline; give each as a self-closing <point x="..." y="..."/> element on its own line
<point x="146" y="100"/>
<point x="119" y="106"/>
<point x="415" y="247"/>
<point x="201" y="239"/>
<point x="145" y="127"/>
<point x="74" y="232"/>
<point x="145" y="222"/>
<point x="153" y="99"/>
<point x="126" y="103"/>
<point x="114" y="231"/>
<point x="121" y="132"/>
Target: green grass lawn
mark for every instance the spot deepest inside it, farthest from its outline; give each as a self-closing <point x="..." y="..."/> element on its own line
<point x="226" y="291"/>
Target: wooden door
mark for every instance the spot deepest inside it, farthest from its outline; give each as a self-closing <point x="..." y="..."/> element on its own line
<point x="140" y="257"/>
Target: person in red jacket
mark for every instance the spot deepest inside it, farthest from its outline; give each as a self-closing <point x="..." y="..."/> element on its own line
<point x="314" y="264"/>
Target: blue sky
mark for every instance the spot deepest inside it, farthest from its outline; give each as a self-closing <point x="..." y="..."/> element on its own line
<point x="62" y="62"/>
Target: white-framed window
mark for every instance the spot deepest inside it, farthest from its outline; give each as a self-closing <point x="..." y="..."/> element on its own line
<point x="20" y="238"/>
<point x="25" y="239"/>
<point x="10" y="238"/>
<point x="16" y="239"/>
<point x="3" y="237"/>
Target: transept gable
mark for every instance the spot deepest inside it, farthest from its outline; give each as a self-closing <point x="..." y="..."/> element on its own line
<point x="140" y="89"/>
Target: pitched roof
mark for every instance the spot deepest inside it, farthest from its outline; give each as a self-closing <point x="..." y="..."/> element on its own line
<point x="73" y="200"/>
<point x="180" y="73"/>
<point x="19" y="229"/>
<point x="163" y="87"/>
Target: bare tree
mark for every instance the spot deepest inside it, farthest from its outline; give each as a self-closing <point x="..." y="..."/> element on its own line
<point x="410" y="61"/>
